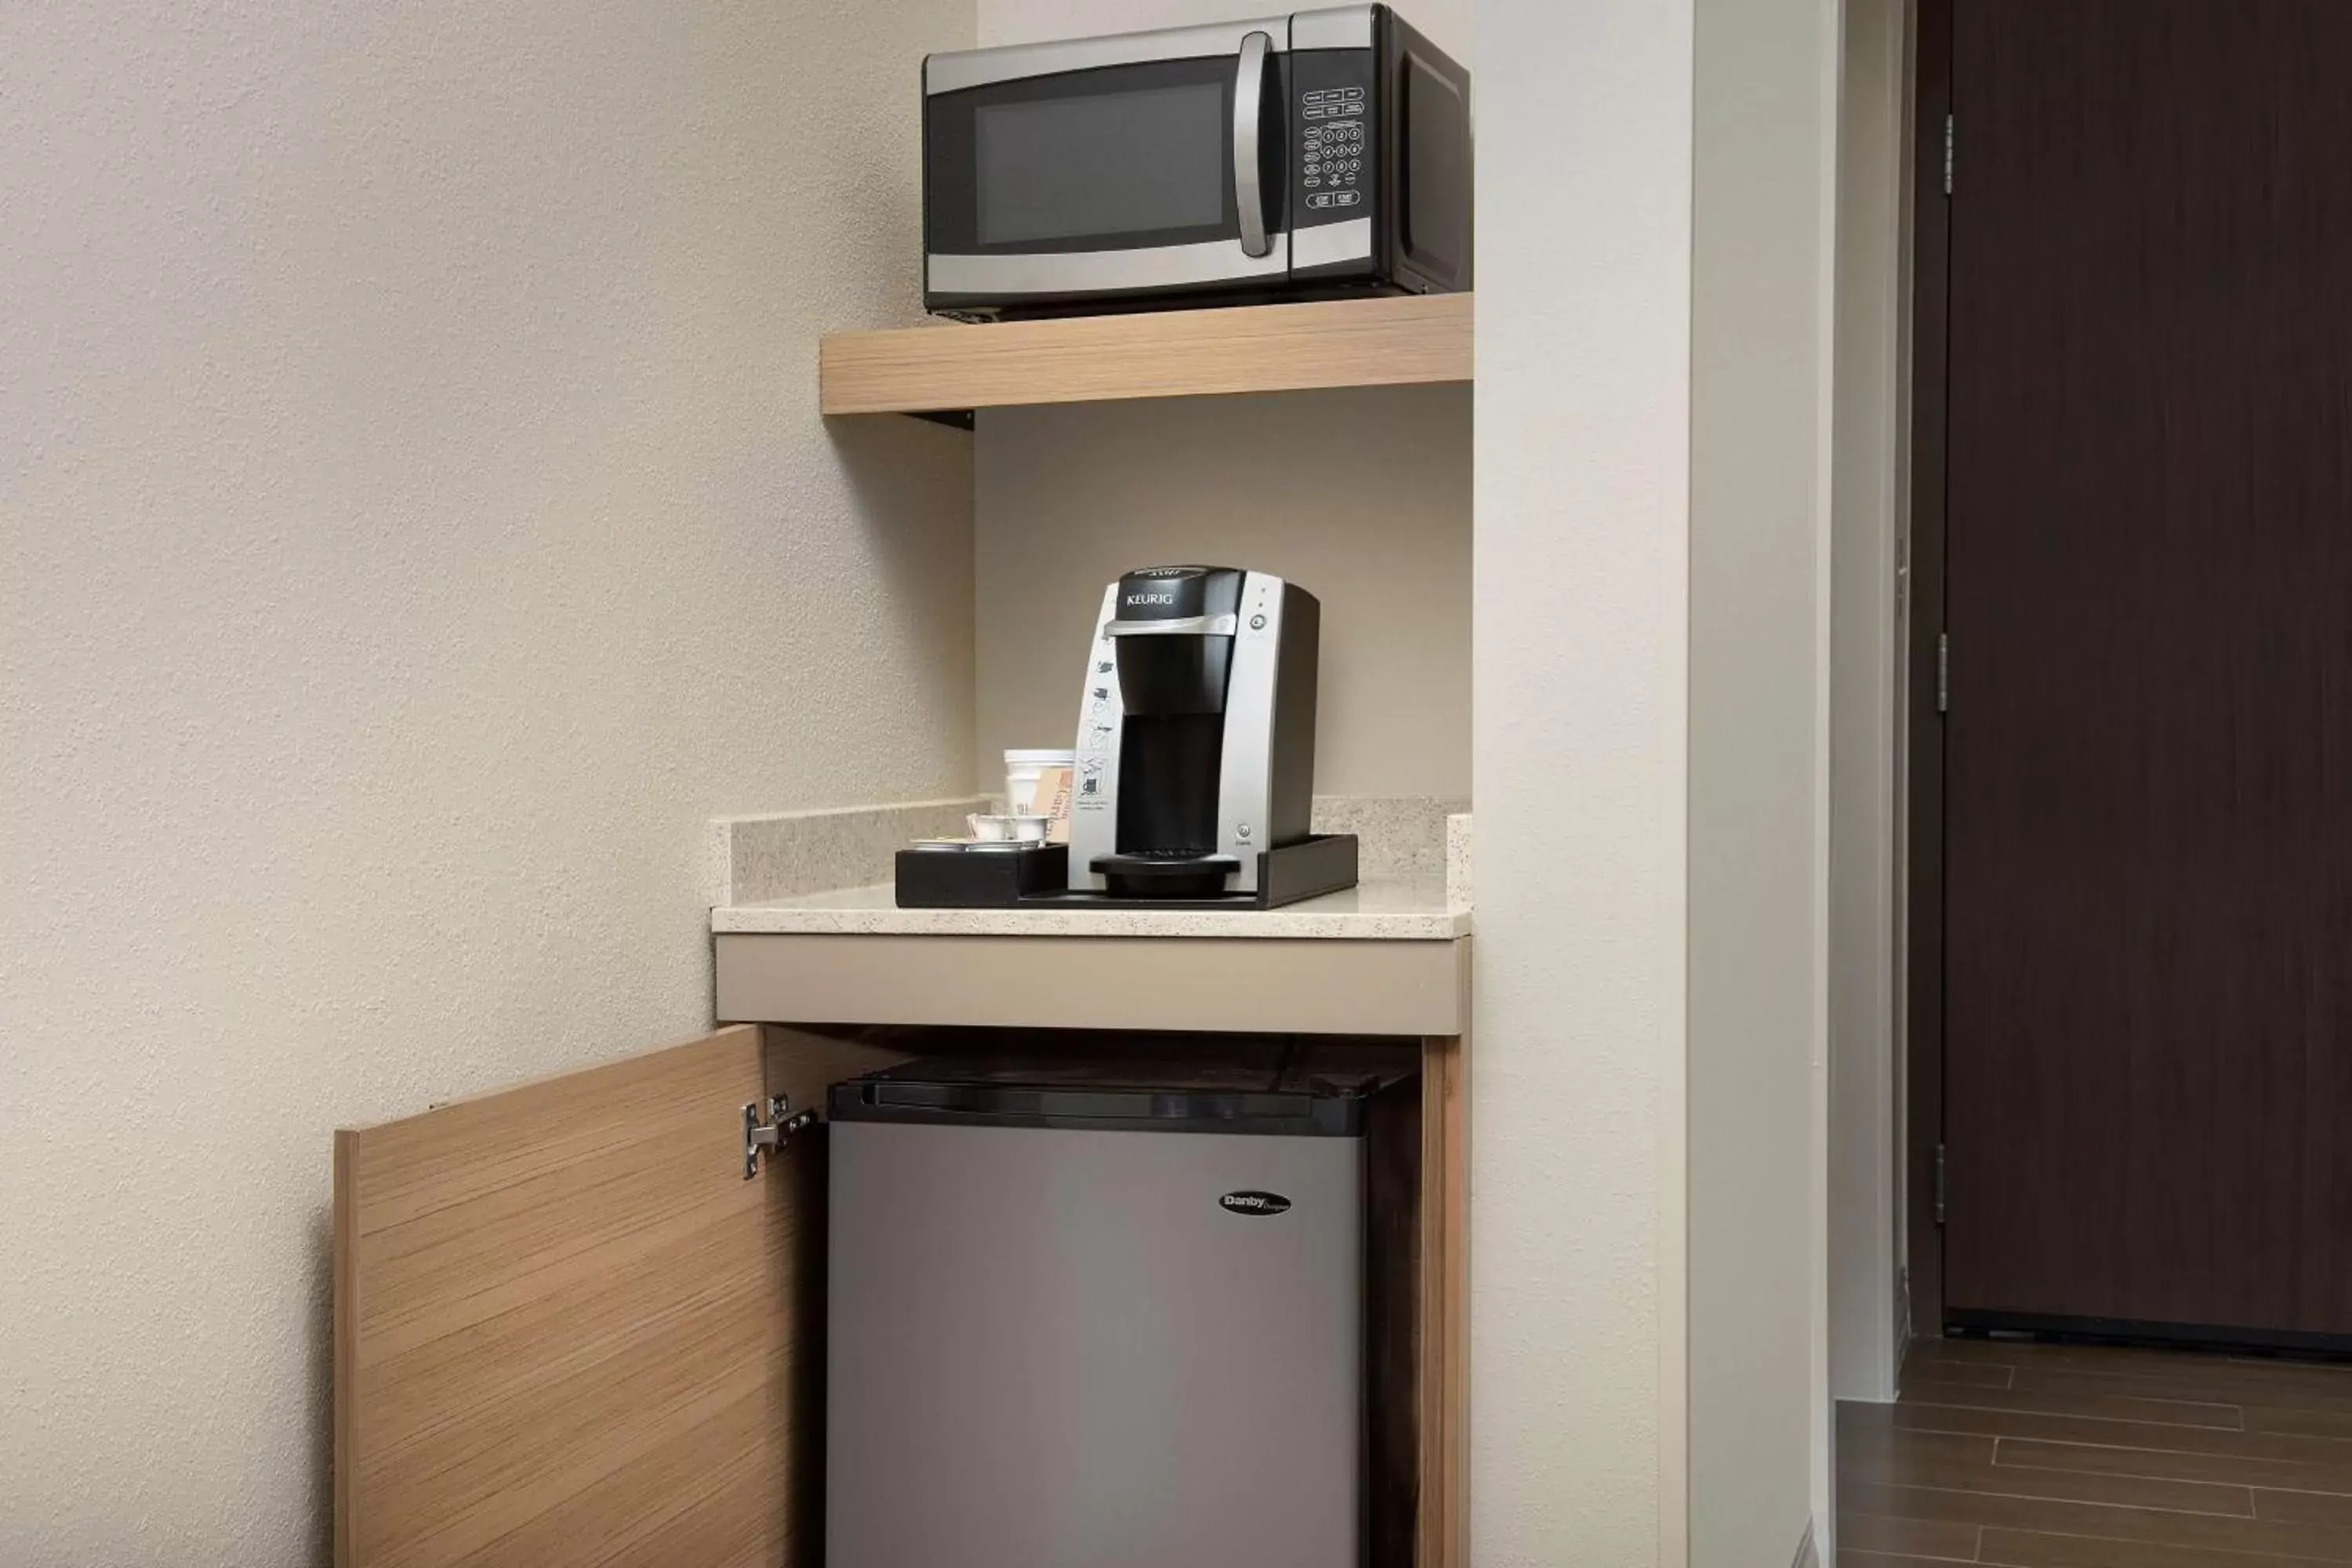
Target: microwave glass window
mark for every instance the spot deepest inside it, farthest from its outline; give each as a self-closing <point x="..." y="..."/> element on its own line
<point x="1120" y="163"/>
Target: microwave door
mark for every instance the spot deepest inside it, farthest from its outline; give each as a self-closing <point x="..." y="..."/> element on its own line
<point x="1159" y="168"/>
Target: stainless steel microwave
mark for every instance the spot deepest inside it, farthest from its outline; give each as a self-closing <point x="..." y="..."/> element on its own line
<point x="1314" y="155"/>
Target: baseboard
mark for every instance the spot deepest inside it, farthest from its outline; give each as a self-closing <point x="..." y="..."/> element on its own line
<point x="1902" y="1332"/>
<point x="1902" y="1316"/>
<point x="1807" y="1557"/>
<point x="2133" y="1331"/>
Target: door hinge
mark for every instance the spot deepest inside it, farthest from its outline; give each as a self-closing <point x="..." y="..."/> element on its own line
<point x="1943" y="672"/>
<point x="1951" y="140"/>
<point x="1943" y="1182"/>
<point x="772" y="1133"/>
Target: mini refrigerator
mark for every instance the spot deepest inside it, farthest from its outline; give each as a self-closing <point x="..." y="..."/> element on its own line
<point x="1082" y="1314"/>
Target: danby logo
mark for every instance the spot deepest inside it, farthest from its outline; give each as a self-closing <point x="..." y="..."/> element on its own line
<point x="1152" y="598"/>
<point x="1255" y="1203"/>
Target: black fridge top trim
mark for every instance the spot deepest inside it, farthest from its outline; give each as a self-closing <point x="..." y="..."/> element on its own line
<point x="1110" y="1097"/>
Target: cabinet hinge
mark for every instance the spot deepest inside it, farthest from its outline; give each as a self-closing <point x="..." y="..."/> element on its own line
<point x="1943" y="672"/>
<point x="772" y="1133"/>
<point x="1951" y="139"/>
<point x="1943" y="1183"/>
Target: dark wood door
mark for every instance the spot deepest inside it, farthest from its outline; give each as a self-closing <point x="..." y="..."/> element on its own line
<point x="2148" y="752"/>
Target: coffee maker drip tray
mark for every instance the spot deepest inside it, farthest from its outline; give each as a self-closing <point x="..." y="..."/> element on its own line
<point x="1164" y="873"/>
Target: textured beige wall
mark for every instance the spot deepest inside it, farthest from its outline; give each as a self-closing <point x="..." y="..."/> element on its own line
<point x="1362" y="496"/>
<point x="413" y="525"/>
<point x="1762" y="284"/>
<point x="1582" y="635"/>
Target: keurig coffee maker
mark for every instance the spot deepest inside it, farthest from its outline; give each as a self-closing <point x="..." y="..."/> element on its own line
<point x="1195" y="775"/>
<point x="1196" y="744"/>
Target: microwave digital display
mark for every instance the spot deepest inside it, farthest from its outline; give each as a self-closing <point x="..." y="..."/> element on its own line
<point x="1122" y="162"/>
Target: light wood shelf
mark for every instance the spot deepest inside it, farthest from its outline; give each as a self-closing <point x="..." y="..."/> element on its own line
<point x="950" y="367"/>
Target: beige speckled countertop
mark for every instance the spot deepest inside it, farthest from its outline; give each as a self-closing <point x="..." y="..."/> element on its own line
<point x="779" y="875"/>
<point x="1375" y="910"/>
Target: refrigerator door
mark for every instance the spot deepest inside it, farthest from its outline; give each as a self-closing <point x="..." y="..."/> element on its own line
<point x="1070" y="1349"/>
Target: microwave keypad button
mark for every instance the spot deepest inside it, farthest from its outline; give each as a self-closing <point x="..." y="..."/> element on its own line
<point x="1346" y="198"/>
<point x="1353" y="93"/>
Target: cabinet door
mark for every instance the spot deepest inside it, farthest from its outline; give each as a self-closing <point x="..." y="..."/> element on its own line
<point x="567" y="1330"/>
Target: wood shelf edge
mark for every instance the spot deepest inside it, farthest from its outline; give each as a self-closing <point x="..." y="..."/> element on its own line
<point x="1403" y="340"/>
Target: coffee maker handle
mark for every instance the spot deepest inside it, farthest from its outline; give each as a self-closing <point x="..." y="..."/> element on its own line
<point x="1249" y="197"/>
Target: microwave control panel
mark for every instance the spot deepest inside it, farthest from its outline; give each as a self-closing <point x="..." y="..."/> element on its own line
<point x="1332" y="145"/>
<point x="1336" y="130"/>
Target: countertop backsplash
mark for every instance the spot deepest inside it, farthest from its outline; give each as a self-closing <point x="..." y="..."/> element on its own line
<point x="753" y="860"/>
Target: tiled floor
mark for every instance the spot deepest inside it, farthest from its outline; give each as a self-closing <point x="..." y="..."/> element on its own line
<point x="2060" y="1457"/>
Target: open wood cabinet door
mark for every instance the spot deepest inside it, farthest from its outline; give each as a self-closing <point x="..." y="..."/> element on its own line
<point x="569" y="1330"/>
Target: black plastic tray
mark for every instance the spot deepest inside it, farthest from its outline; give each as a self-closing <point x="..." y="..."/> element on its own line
<point x="1038" y="876"/>
<point x="979" y="879"/>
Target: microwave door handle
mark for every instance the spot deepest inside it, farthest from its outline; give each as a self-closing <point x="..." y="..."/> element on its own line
<point x="1249" y="89"/>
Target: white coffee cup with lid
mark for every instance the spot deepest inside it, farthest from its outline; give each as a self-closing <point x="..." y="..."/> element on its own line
<point x="1021" y="771"/>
